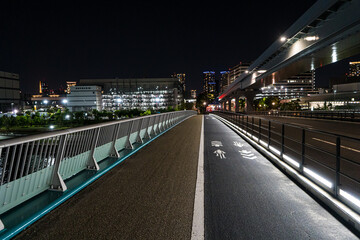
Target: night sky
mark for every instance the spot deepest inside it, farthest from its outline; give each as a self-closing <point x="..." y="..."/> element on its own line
<point x="56" y="41"/>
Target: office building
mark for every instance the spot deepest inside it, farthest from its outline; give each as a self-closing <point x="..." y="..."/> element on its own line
<point x="138" y="93"/>
<point x="9" y="91"/>
<point x="84" y="98"/>
<point x="237" y="70"/>
<point x="298" y="86"/>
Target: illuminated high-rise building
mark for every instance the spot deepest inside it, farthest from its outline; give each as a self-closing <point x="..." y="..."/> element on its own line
<point x="9" y="91"/>
<point x="181" y="78"/>
<point x="209" y="83"/>
<point x="224" y="80"/>
<point x="193" y="93"/>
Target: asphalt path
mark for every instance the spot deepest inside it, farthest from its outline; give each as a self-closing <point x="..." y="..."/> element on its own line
<point x="149" y="196"/>
<point x="246" y="197"/>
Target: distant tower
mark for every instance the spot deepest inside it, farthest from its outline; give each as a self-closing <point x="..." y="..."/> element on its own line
<point x="43" y="88"/>
<point x="209" y="83"/>
<point x="68" y="85"/>
<point x="181" y="77"/>
<point x="224" y="80"/>
<point x="193" y="93"/>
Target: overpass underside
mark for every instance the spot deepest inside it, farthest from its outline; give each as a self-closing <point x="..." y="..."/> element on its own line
<point x="327" y="33"/>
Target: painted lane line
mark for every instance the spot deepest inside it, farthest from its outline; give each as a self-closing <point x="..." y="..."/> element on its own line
<point x="197" y="232"/>
<point x="334" y="144"/>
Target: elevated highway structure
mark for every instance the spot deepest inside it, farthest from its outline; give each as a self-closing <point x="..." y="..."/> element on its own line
<point x="327" y="33"/>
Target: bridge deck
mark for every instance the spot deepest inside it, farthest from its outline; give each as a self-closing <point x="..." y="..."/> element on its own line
<point x="151" y="195"/>
<point x="148" y="196"/>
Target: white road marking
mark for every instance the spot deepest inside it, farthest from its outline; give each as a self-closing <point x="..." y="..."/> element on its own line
<point x="216" y="144"/>
<point x="198" y="232"/>
<point x="238" y="144"/>
<point x="334" y="144"/>
<point x="220" y="153"/>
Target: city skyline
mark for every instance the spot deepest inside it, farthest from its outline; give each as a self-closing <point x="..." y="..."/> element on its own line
<point x="58" y="42"/>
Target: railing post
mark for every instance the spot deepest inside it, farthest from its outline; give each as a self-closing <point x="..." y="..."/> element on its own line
<point x="57" y="183"/>
<point x="114" y="152"/>
<point x="166" y="121"/>
<point x="259" y="138"/>
<point x="338" y="157"/>
<point x="156" y="121"/>
<point x="252" y="125"/>
<point x="128" y="144"/>
<point x="147" y="135"/>
<point x="138" y="137"/>
<point x="92" y="164"/>
<point x="247" y="124"/>
<point x="302" y="150"/>
<point x="282" y="139"/>
<point x="269" y="133"/>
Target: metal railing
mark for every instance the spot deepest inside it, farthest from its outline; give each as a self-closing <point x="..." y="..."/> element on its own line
<point x="33" y="164"/>
<point x="329" y="160"/>
<point x="348" y="115"/>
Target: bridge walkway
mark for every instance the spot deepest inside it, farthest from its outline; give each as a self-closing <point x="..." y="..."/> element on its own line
<point x="151" y="195"/>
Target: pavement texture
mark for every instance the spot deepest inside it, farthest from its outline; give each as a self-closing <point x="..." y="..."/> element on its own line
<point x="247" y="197"/>
<point x="149" y="196"/>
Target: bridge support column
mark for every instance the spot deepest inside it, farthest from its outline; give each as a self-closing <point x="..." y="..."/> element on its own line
<point x="57" y="183"/>
<point x="249" y="101"/>
<point x="92" y="164"/>
<point x="236" y="104"/>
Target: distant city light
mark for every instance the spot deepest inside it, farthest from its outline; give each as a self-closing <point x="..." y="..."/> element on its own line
<point x="67" y="116"/>
<point x="283" y="39"/>
<point x="45" y="101"/>
<point x="51" y="126"/>
<point x="64" y="101"/>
